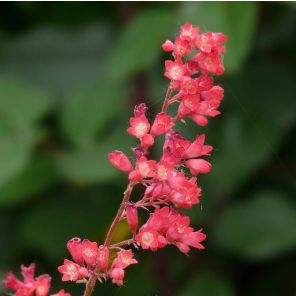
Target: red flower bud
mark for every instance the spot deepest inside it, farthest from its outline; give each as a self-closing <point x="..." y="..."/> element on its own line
<point x="120" y="161"/>
<point x="132" y="217"/>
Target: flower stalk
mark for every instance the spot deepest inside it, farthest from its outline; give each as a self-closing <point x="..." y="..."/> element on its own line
<point x="197" y="58"/>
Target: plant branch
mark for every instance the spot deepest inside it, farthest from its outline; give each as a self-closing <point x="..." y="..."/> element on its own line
<point x="92" y="279"/>
<point x="123" y="243"/>
<point x="117" y="218"/>
<point x="167" y="99"/>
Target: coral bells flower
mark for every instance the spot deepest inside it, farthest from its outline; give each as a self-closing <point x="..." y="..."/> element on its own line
<point x="120" y="161"/>
<point x="124" y="259"/>
<point x="188" y="32"/>
<point x="168" y="46"/>
<point x="149" y="239"/>
<point x="162" y="124"/>
<point x="132" y="217"/>
<point x="210" y="62"/>
<point x="89" y="252"/>
<point x="74" y="248"/>
<point x="103" y="258"/>
<point x="198" y="166"/>
<point x="30" y="286"/>
<point x="168" y="185"/>
<point x="168" y="226"/>
<point x="42" y="285"/>
<point x="117" y="275"/>
<point x="72" y="271"/>
<point x="139" y="126"/>
<point x="174" y="70"/>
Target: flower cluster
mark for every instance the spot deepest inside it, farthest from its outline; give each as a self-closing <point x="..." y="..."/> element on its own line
<point x="89" y="259"/>
<point x="168" y="226"/>
<point x="170" y="182"/>
<point x="30" y="285"/>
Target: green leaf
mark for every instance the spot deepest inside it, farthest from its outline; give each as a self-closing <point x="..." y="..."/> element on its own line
<point x="259" y="228"/>
<point x="86" y="112"/>
<point x="46" y="227"/>
<point x="15" y="151"/>
<point x="255" y="125"/>
<point x="21" y="104"/>
<point x="140" y="44"/>
<point x="55" y="58"/>
<point x="89" y="163"/>
<point x="207" y="285"/>
<point x="36" y="177"/>
<point x="235" y="19"/>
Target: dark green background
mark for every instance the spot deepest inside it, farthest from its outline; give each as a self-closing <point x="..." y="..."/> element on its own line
<point x="70" y="74"/>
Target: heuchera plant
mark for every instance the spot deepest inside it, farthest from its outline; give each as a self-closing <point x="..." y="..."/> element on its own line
<point x="170" y="183"/>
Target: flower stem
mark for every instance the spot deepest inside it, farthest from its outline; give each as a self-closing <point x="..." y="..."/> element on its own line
<point x="116" y="220"/>
<point x="167" y="99"/>
<point x="92" y="279"/>
<point x="123" y="243"/>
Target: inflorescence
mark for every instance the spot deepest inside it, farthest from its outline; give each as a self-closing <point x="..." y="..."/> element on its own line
<point x="170" y="183"/>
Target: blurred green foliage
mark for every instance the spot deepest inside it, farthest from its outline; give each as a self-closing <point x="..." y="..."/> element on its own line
<point x="69" y="77"/>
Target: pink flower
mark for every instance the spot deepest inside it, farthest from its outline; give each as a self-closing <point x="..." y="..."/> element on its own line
<point x="188" y="32"/>
<point x="28" y="272"/>
<point x="38" y="286"/>
<point x="199" y="119"/>
<point x="132" y="217"/>
<point x="145" y="168"/>
<point x="204" y="83"/>
<point x="184" y="193"/>
<point x="162" y="124"/>
<point x="72" y="271"/>
<point x="210" y="62"/>
<point x="175" y="145"/>
<point x="140" y="110"/>
<point x="189" y="105"/>
<point x="168" y="46"/>
<point x="179" y="228"/>
<point x="120" y="161"/>
<point x="148" y="238"/>
<point x="188" y="85"/>
<point x="160" y="220"/>
<point x="103" y="258"/>
<point x="175" y="70"/>
<point x="197" y="148"/>
<point x="42" y="285"/>
<point x="139" y="126"/>
<point x="194" y="239"/>
<point x="198" y="166"/>
<point x="124" y="259"/>
<point x="147" y="141"/>
<point x="89" y="252"/>
<point x="209" y="42"/>
<point x="191" y="67"/>
<point x="117" y="276"/>
<point x="181" y="48"/>
<point x="74" y="248"/>
<point x="214" y="93"/>
<point x="164" y="171"/>
<point x="25" y="290"/>
<point x="11" y="282"/>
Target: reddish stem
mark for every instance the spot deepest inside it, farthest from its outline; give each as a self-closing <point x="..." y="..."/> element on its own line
<point x="166" y="102"/>
<point x="117" y="218"/>
<point x="123" y="243"/>
<point x="92" y="279"/>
